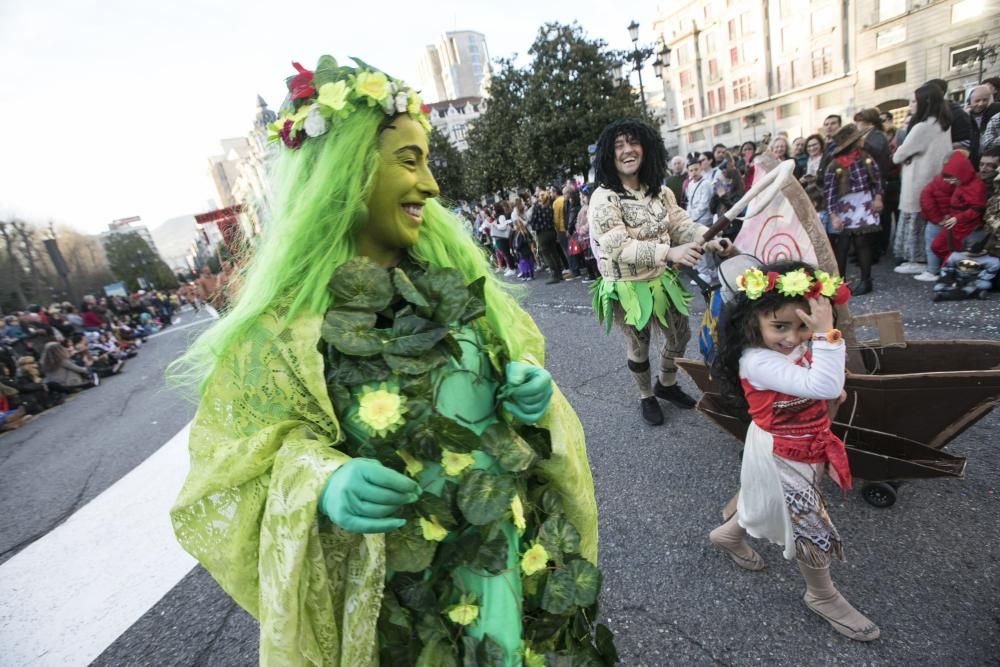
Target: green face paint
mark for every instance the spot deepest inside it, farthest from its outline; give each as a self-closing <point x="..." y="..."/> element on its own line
<point x="404" y="181"/>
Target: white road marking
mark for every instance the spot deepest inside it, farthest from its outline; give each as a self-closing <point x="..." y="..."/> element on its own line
<point x="177" y="328"/>
<point x="68" y="596"/>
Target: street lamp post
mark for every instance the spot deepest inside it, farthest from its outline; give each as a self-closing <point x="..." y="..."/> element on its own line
<point x="638" y="57"/>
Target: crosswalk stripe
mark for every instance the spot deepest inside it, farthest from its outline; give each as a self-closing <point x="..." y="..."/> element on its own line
<point x="69" y="595"/>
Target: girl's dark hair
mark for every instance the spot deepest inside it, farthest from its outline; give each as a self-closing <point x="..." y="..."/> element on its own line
<point x="738" y="330"/>
<point x="653" y="170"/>
<point x="817" y="137"/>
<point x="930" y="104"/>
<point x="736" y="179"/>
<point x="872" y="117"/>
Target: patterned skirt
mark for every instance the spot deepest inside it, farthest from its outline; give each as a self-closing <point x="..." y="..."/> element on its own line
<point x="855" y="211"/>
<point x="780" y="501"/>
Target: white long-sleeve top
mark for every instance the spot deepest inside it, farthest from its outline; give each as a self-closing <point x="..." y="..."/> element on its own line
<point x="501" y="227"/>
<point x="699" y="196"/>
<point x="822" y="380"/>
<point x="927" y="146"/>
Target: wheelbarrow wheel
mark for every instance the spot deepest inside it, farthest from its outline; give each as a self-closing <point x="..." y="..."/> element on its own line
<point x="879" y="494"/>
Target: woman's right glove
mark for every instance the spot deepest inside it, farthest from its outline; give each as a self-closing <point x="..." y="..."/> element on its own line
<point x="362" y="495"/>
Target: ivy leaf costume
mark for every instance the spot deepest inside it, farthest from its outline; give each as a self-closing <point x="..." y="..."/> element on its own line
<point x="267" y="437"/>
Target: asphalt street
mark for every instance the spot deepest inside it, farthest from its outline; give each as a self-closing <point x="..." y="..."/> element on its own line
<point x="925" y="569"/>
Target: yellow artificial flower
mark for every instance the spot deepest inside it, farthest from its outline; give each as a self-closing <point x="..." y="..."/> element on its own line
<point x="794" y="283"/>
<point x="372" y="84"/>
<point x="432" y="530"/>
<point x="413" y="466"/>
<point x="517" y="510"/>
<point x="413" y="104"/>
<point x="454" y="463"/>
<point x="753" y="282"/>
<point x="532" y="659"/>
<point x="333" y="95"/>
<point x="830" y="284"/>
<point x="463" y="614"/>
<point x="534" y="559"/>
<point x="381" y="409"/>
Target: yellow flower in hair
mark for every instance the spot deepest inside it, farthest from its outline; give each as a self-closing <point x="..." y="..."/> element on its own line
<point x="381" y="409"/>
<point x="753" y="282"/>
<point x="454" y="463"/>
<point x="413" y="104"/>
<point x="372" y="84"/>
<point x="794" y="283"/>
<point x="830" y="284"/>
<point x="432" y="530"/>
<point x="534" y="559"/>
<point x="333" y="95"/>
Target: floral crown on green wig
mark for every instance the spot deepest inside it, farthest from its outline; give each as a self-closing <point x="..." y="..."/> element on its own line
<point x="331" y="93"/>
<point x="796" y="283"/>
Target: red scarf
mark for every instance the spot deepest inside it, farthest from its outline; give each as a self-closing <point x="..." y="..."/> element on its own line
<point x="847" y="159"/>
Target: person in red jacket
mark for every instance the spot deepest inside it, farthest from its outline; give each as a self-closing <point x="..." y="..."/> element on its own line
<point x="955" y="199"/>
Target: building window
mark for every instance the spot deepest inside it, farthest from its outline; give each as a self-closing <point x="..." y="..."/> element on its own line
<point x="890" y="37"/>
<point x="695" y="136"/>
<point x="682" y="54"/>
<point x="688" y="108"/>
<point x="747" y="25"/>
<point x="710" y="42"/>
<point x="732" y="30"/>
<point x="788" y="110"/>
<point x="784" y="77"/>
<point x="711" y="101"/>
<point x="742" y="89"/>
<point x="822" y="62"/>
<point x="963" y="54"/>
<point x="823" y="19"/>
<point x="713" y="69"/>
<point x="890" y="76"/>
<point x="965" y="10"/>
<point x="834" y="98"/>
<point x="734" y="56"/>
<point x="889" y="8"/>
<point x="685" y="79"/>
<point x="458" y="132"/>
<point x="723" y="128"/>
<point x="722" y="98"/>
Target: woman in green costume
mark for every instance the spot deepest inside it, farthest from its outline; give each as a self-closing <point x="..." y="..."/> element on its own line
<point x="381" y="468"/>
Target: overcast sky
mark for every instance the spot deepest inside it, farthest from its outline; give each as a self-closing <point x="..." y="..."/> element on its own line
<point x="110" y="108"/>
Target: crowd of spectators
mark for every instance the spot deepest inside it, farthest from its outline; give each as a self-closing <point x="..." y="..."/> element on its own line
<point x="47" y="354"/>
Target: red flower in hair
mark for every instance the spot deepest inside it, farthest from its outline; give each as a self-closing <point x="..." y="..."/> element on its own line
<point x="292" y="141"/>
<point x="301" y="85"/>
<point x="772" y="278"/>
<point x="815" y="290"/>
<point x="424" y="109"/>
<point x="841" y="296"/>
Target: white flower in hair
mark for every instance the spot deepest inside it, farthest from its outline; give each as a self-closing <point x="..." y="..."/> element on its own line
<point x="402" y="98"/>
<point x="315" y="125"/>
<point x="388" y="104"/>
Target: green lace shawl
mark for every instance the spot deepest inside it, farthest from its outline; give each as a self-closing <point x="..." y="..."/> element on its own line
<point x="262" y="446"/>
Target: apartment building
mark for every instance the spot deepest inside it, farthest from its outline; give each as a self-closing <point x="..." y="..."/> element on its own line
<point x="735" y="76"/>
<point x="457" y="66"/>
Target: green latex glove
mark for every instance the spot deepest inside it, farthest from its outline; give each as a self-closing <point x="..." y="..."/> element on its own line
<point x="527" y="392"/>
<point x="362" y="495"/>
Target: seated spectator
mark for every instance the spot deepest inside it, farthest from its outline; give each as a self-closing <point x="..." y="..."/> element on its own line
<point x="956" y="200"/>
<point x="98" y="361"/>
<point x="969" y="273"/>
<point x="61" y="374"/>
<point x="33" y="393"/>
<point x="91" y="320"/>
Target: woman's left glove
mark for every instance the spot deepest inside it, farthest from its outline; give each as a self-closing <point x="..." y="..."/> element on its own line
<point x="527" y="392"/>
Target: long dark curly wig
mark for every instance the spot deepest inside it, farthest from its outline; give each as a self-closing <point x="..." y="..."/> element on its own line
<point x="738" y="329"/>
<point x="653" y="170"/>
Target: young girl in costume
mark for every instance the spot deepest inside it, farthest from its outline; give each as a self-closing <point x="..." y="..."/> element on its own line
<point x="381" y="469"/>
<point x="782" y="360"/>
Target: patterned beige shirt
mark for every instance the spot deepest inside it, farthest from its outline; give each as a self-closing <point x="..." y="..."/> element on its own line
<point x="632" y="232"/>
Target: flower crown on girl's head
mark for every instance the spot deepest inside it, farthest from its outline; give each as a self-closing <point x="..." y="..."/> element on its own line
<point x="797" y="283"/>
<point x="332" y="92"/>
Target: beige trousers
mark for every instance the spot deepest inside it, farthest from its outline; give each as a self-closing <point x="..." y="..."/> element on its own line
<point x="675" y="336"/>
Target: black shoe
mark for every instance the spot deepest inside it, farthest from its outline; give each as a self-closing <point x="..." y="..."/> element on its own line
<point x="861" y="287"/>
<point x="652" y="413"/>
<point x="675" y="395"/>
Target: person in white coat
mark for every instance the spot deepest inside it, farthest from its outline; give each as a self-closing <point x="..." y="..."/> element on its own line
<point x="699" y="195"/>
<point x="923" y="153"/>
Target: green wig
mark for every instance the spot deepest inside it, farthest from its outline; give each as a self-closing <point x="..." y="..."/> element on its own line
<point x="320" y="194"/>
